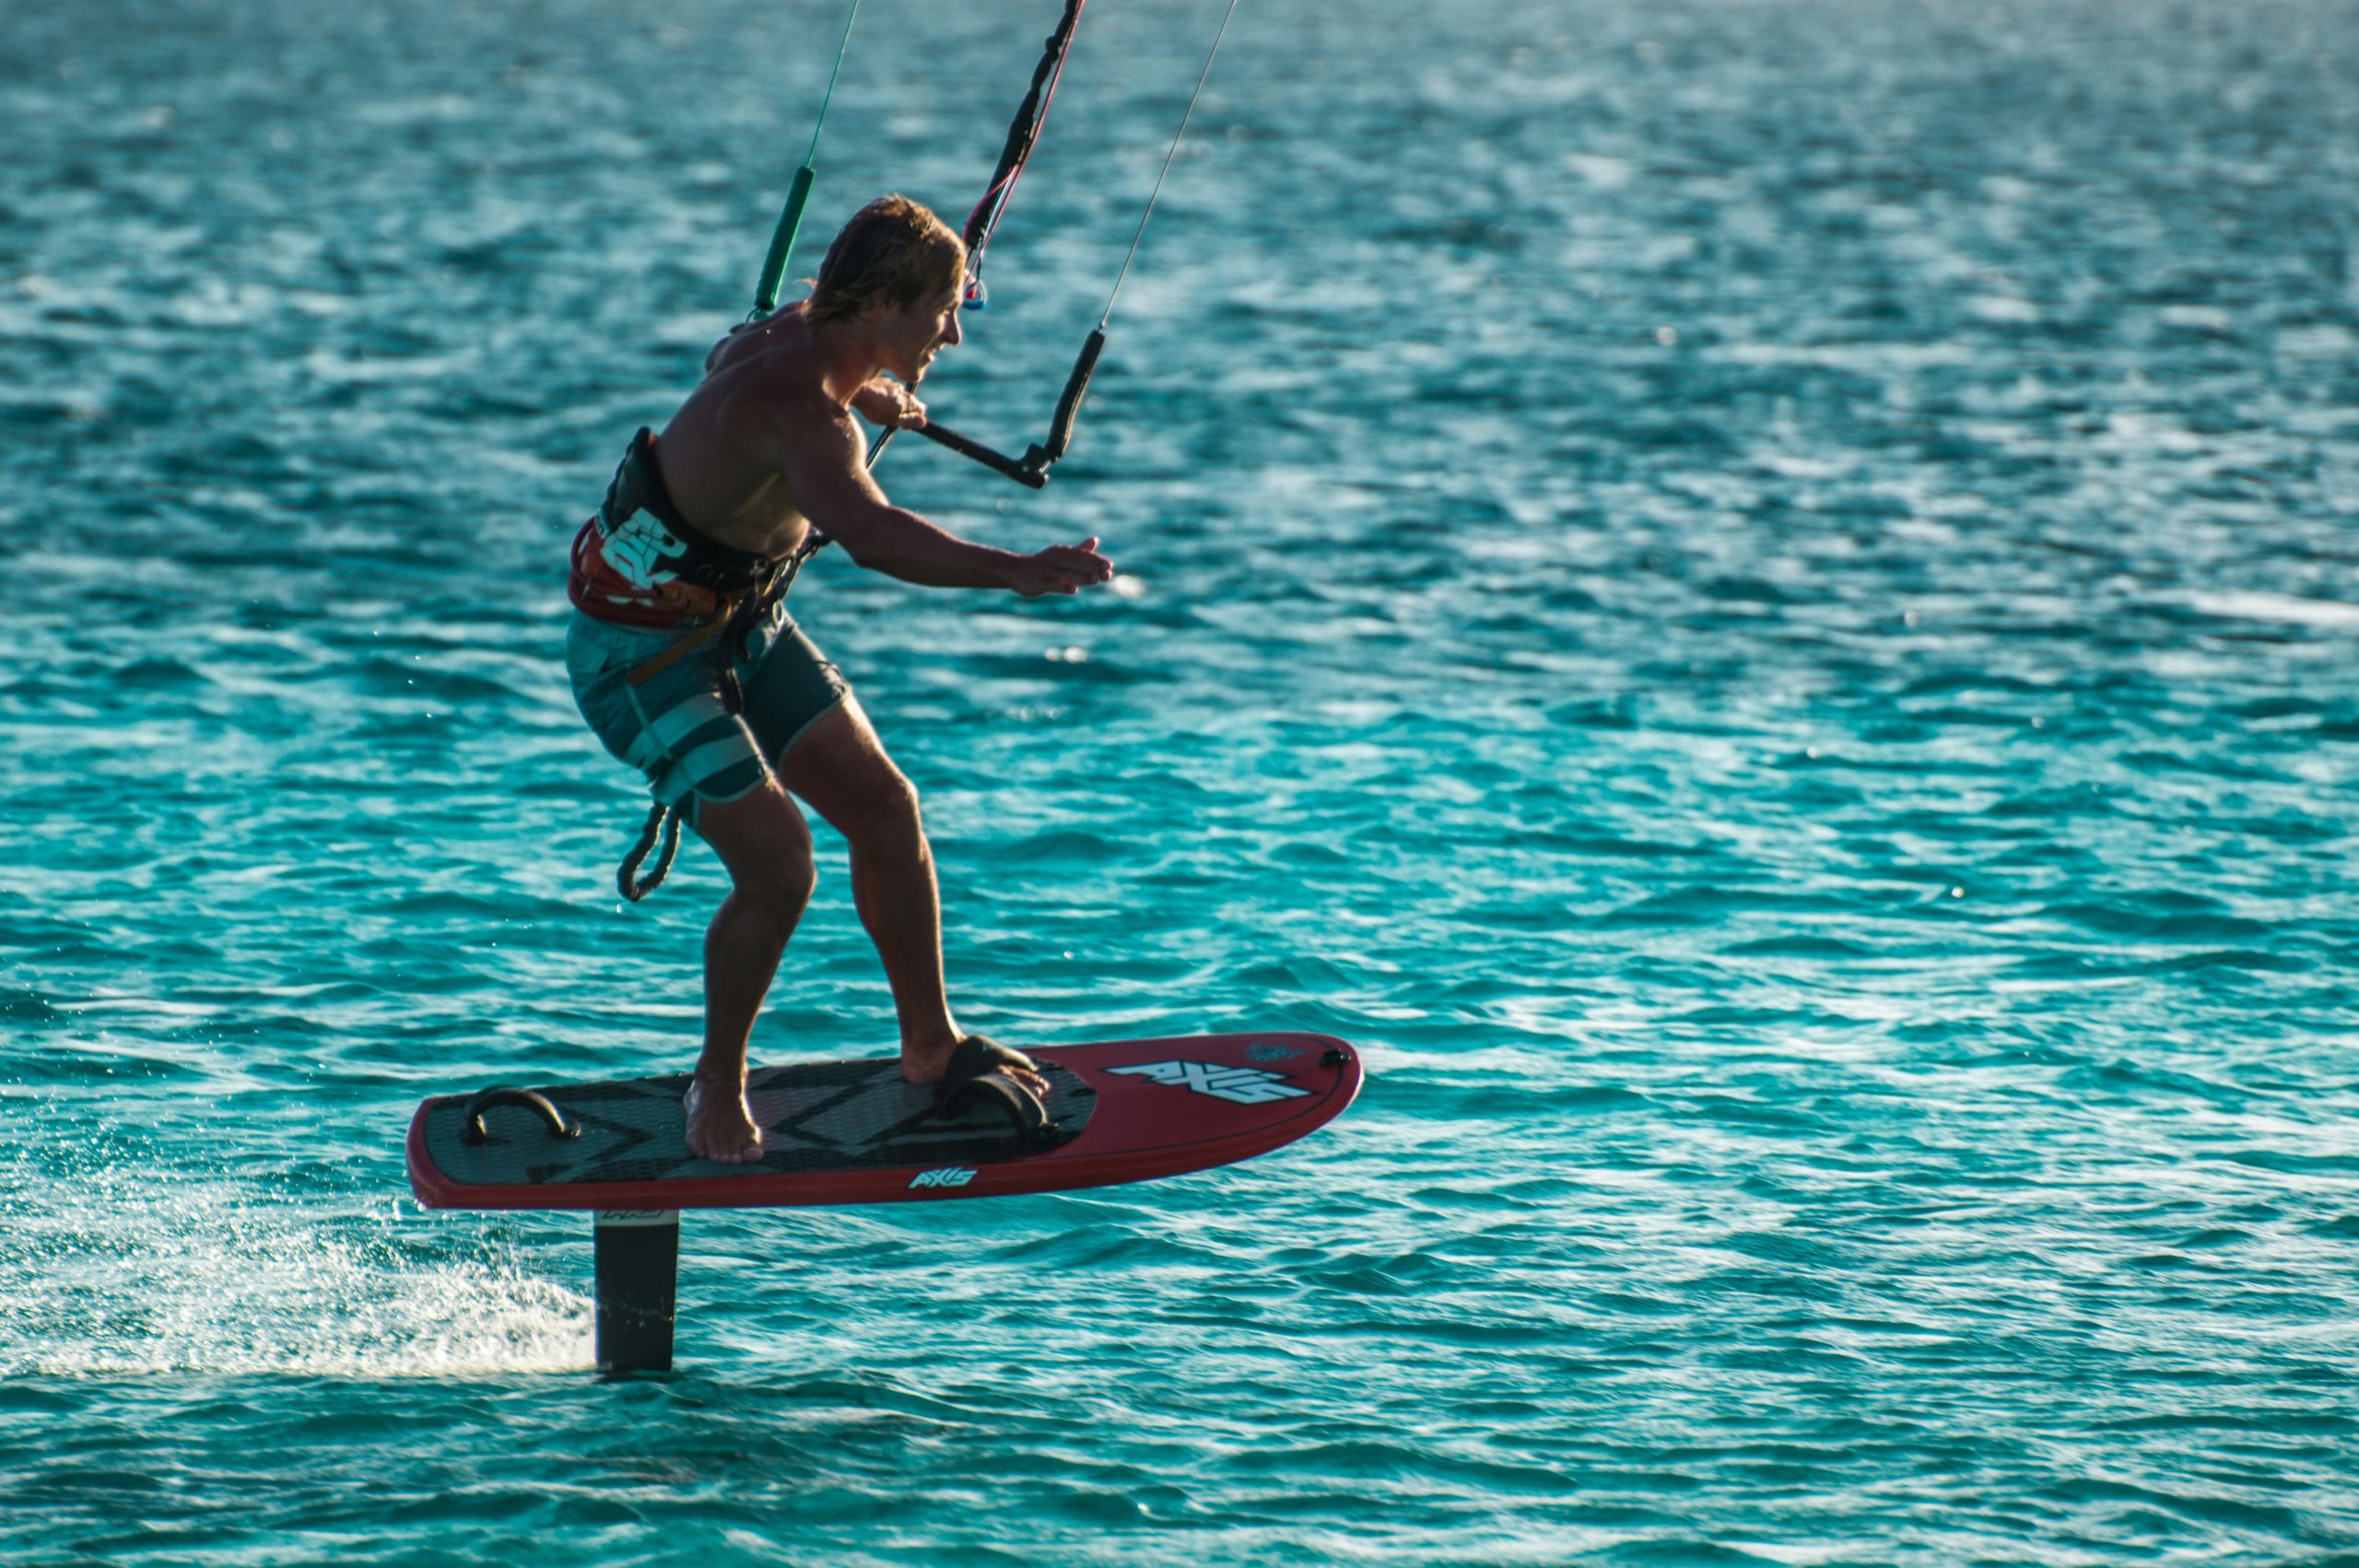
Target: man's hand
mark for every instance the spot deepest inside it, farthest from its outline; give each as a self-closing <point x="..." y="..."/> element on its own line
<point x="1062" y="568"/>
<point x="889" y="404"/>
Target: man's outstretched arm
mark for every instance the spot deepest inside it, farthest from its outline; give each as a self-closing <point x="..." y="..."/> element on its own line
<point x="823" y="467"/>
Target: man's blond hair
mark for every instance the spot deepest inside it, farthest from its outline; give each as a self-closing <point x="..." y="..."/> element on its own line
<point x="894" y="252"/>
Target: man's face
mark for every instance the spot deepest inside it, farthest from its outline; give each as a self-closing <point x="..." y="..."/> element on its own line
<point x="912" y="337"/>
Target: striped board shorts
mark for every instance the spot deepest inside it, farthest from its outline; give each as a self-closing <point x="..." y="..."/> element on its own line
<point x="677" y="728"/>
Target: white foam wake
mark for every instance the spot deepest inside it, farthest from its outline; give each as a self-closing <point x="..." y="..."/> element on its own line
<point x="132" y="1269"/>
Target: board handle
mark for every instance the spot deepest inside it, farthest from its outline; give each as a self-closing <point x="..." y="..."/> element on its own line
<point x="507" y="1094"/>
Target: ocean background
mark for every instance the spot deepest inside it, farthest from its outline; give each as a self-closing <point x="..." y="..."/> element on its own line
<point x="1760" y="600"/>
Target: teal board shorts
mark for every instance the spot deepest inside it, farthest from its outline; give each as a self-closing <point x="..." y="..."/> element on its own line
<point x="677" y="728"/>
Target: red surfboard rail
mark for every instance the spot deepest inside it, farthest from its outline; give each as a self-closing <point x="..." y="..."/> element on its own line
<point x="1160" y="1107"/>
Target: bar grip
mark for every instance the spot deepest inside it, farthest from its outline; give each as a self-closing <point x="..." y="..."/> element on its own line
<point x="1068" y="403"/>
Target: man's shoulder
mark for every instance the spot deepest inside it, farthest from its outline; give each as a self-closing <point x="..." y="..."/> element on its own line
<point x="780" y="396"/>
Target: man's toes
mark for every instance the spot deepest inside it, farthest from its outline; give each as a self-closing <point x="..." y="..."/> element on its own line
<point x="729" y="1151"/>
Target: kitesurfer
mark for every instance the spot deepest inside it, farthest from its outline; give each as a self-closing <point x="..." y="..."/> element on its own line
<point x="685" y="662"/>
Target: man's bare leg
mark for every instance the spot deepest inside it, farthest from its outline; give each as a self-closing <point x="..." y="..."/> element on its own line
<point x="839" y="767"/>
<point x="762" y="839"/>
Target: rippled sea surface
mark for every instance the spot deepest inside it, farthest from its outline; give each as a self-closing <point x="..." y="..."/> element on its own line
<point x="1760" y="600"/>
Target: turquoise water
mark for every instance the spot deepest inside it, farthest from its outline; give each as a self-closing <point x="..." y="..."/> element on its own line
<point x="1758" y="600"/>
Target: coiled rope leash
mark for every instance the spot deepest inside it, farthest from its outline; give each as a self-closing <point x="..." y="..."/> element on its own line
<point x="663" y="821"/>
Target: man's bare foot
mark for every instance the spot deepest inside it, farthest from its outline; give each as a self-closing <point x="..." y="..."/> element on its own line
<point x="931" y="1063"/>
<point x="720" y="1125"/>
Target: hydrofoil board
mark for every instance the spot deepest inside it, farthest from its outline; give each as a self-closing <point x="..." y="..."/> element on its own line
<point x="854" y="1132"/>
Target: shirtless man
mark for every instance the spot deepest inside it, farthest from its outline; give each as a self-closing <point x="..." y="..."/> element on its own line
<point x="686" y="672"/>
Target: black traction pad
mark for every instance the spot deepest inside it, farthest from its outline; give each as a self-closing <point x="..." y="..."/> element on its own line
<point x="820" y="1117"/>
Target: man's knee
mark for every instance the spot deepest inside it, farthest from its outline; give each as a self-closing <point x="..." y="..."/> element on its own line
<point x="780" y="878"/>
<point x="766" y="847"/>
<point x="889" y="815"/>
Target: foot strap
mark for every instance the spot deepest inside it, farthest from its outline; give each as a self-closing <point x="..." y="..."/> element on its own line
<point x="972" y="1079"/>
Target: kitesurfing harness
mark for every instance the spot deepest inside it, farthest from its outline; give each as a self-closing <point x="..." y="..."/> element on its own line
<point x="640" y="562"/>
